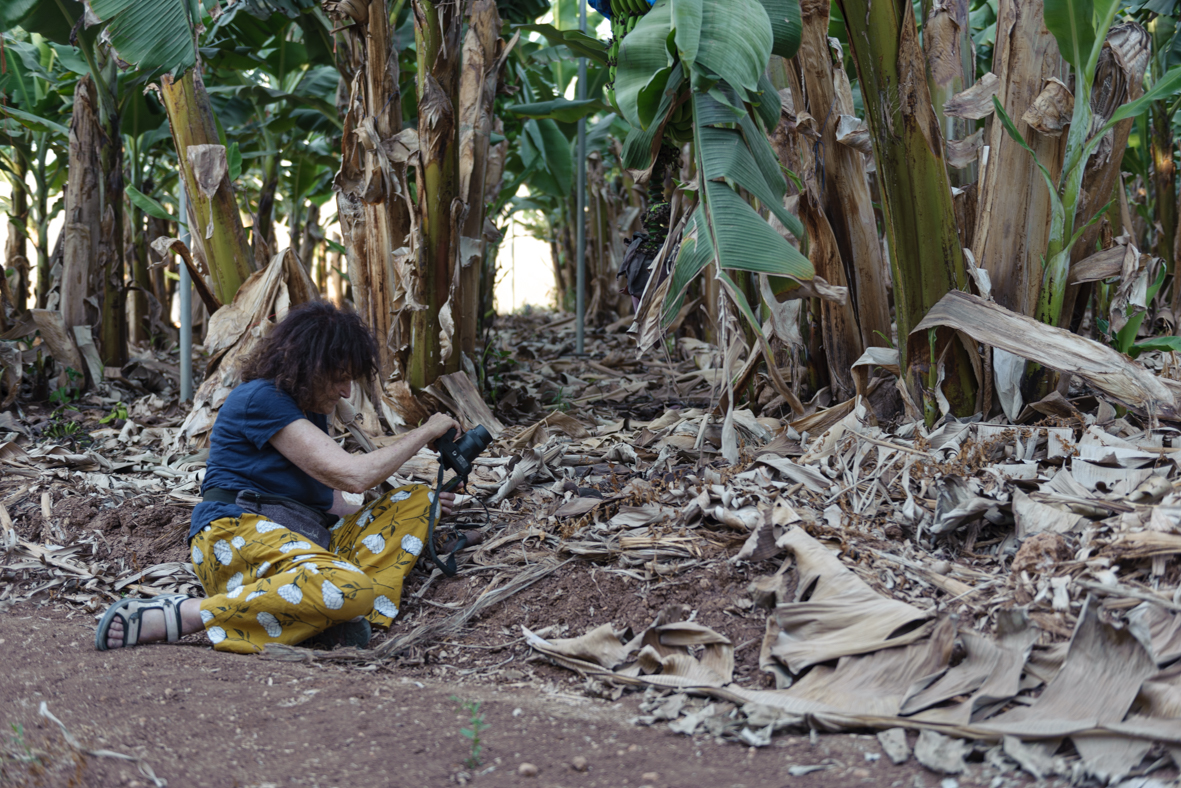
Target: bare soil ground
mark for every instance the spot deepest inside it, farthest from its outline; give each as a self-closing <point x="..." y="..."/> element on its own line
<point x="201" y="718"/>
<point x="105" y="512"/>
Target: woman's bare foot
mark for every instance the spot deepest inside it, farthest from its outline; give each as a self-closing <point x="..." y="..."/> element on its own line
<point x="153" y="628"/>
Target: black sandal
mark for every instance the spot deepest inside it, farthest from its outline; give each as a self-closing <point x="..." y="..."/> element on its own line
<point x="131" y="611"/>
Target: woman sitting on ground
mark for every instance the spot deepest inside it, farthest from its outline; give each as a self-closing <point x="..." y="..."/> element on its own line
<point x="283" y="558"/>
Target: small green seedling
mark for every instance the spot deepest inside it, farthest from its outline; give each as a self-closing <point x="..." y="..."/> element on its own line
<point x="19" y="750"/>
<point x="559" y="401"/>
<point x="1124" y="340"/>
<point x="478" y="726"/>
<point x="119" y="412"/>
<point x="62" y="428"/>
<point x="64" y="396"/>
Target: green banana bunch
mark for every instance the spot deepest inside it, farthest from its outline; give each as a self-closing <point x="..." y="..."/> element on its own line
<point x="521" y="11"/>
<point x="680" y="124"/>
<point x="625" y="14"/>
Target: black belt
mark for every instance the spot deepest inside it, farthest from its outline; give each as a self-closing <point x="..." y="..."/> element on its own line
<point x="222" y="495"/>
<point x="287" y="512"/>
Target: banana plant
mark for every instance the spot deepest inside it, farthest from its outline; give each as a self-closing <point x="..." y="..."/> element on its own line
<point x="695" y="67"/>
<point x="159" y="38"/>
<point x="32" y="119"/>
<point x="1080" y="29"/>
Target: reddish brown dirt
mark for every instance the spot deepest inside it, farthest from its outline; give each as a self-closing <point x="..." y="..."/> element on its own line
<point x="201" y="718"/>
<point x="138" y="532"/>
<point x="585" y="597"/>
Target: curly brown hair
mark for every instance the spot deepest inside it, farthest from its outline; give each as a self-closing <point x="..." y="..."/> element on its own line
<point x="312" y="347"/>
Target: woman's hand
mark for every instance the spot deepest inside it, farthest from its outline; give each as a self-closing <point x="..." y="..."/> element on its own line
<point x="446" y="504"/>
<point x="438" y="425"/>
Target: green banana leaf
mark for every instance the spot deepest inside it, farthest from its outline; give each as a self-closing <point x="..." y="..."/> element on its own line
<point x="70" y="59"/>
<point x="11" y="12"/>
<point x="735" y="45"/>
<point x="35" y="122"/>
<point x="640" y="144"/>
<point x="686" y="20"/>
<point x="1071" y="23"/>
<point x="1056" y="206"/>
<point x="581" y="44"/>
<point x="544" y="145"/>
<point x="54" y="20"/>
<point x="767" y="104"/>
<point x="154" y="35"/>
<point x="559" y="109"/>
<point x="1166" y="86"/>
<point x="17" y="81"/>
<point x="724" y="228"/>
<point x="146" y="204"/>
<point x="764" y="156"/>
<point x="726" y="155"/>
<point x="645" y="66"/>
<point x="731" y="40"/>
<point x="744" y="241"/>
<point x="234" y="161"/>
<point x="695" y="254"/>
<point x="786" y="26"/>
<point x="1164" y="344"/>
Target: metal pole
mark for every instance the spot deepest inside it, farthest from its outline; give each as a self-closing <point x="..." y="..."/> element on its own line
<point x="580" y="211"/>
<point x="186" y="309"/>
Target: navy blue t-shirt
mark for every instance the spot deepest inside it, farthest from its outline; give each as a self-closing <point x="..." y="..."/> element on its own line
<point x="242" y="458"/>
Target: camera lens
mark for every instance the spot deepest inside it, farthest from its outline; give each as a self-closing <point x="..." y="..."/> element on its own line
<point x="473" y="442"/>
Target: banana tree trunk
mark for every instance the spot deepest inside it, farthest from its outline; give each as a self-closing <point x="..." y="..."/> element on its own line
<point x="162" y="286"/>
<point x="494" y="178"/>
<point x="1164" y="172"/>
<point x="5" y="301"/>
<point x="83" y="209"/>
<point x="335" y="290"/>
<point x="113" y="346"/>
<point x="838" y="323"/>
<point x="40" y="173"/>
<point x="18" y="234"/>
<point x="140" y="311"/>
<point x="951" y="67"/>
<point x="555" y="253"/>
<point x="1160" y="35"/>
<point x="1013" y="219"/>
<point x="374" y="207"/>
<point x="92" y="259"/>
<point x="925" y="253"/>
<point x="263" y="236"/>
<point x="845" y="195"/>
<point x="310" y="236"/>
<point x="218" y="239"/>
<point x="141" y="321"/>
<point x="1119" y="77"/>
<point x="437" y="25"/>
<point x="482" y="49"/>
<point x="295" y="225"/>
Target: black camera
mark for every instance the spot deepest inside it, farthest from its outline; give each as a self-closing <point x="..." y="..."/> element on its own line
<point x="458" y="455"/>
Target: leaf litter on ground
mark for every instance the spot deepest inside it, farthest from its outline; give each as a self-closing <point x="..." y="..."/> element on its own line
<point x="959" y="583"/>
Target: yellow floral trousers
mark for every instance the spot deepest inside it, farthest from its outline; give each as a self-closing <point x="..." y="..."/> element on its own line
<point x="266" y="584"/>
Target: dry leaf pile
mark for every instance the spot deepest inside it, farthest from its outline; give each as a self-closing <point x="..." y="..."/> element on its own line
<point x="964" y="582"/>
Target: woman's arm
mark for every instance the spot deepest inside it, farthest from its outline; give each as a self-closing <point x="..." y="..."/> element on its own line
<point x="341" y="507"/>
<point x="317" y="455"/>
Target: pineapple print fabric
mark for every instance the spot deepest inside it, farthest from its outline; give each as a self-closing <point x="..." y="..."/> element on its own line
<point x="266" y="584"/>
